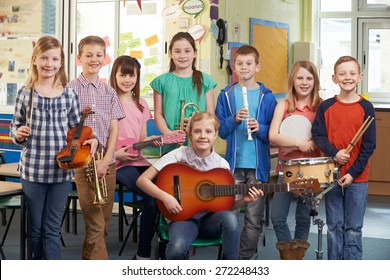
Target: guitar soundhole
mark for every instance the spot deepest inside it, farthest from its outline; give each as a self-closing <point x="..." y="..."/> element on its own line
<point x="205" y="191"/>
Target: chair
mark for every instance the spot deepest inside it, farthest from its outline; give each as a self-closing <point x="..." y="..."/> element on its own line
<point x="136" y="205"/>
<point x="12" y="203"/>
<point x="163" y="238"/>
<point x="72" y="198"/>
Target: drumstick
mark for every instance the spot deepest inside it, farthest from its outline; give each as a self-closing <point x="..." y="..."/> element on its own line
<point x="359" y="134"/>
<point x="354" y="139"/>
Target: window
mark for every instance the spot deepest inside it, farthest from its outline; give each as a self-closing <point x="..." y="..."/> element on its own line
<point x="335" y="41"/>
<point x="126" y="31"/>
<point x="335" y="5"/>
<point x="100" y="23"/>
<point x="356" y="28"/>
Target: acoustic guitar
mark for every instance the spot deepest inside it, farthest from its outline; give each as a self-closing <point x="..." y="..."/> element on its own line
<point x="214" y="190"/>
<point x="135" y="146"/>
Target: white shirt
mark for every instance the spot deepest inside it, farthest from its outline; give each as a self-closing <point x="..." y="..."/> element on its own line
<point x="187" y="155"/>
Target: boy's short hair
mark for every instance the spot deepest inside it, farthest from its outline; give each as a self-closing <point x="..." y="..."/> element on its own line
<point x="91" y="40"/>
<point x="346" y="58"/>
<point x="247" y="50"/>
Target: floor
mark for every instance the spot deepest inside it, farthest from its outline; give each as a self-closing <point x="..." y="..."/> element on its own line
<point x="376" y="240"/>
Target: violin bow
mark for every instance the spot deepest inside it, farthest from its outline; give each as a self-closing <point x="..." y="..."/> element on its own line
<point x="30" y="104"/>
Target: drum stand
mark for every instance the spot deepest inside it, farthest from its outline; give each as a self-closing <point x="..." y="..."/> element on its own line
<point x="313" y="202"/>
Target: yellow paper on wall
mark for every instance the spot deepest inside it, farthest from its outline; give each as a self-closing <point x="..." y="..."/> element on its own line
<point x="126" y="36"/>
<point x="151" y="40"/>
<point x="136" y="54"/>
<point x="149" y="77"/>
<point x="122" y="48"/>
<point x="135" y="43"/>
<point x="150" y="60"/>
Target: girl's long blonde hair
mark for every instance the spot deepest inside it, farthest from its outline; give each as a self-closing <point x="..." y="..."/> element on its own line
<point x="291" y="92"/>
<point x="44" y="44"/>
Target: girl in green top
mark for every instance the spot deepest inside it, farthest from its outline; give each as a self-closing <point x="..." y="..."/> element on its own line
<point x="181" y="85"/>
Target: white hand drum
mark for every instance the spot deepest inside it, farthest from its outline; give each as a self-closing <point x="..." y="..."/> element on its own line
<point x="296" y="126"/>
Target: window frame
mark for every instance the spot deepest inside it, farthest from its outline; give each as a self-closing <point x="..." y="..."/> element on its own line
<point x="359" y="10"/>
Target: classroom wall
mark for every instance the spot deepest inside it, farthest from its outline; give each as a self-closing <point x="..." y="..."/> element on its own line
<point x="296" y="13"/>
<point x="240" y="11"/>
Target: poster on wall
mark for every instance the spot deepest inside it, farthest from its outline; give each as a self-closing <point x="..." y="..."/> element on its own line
<point x="274" y="52"/>
<point x="233" y="47"/>
<point x="20" y="18"/>
<point x="15" y="60"/>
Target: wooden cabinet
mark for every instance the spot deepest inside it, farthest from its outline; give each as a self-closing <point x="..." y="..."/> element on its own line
<point x="379" y="176"/>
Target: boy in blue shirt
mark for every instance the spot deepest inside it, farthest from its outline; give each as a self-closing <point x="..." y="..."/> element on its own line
<point x="245" y="110"/>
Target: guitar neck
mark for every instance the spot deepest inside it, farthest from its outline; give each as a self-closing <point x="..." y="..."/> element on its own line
<point x="242" y="189"/>
<point x="144" y="144"/>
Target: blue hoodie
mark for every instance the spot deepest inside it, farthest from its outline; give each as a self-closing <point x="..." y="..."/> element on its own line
<point x="226" y="110"/>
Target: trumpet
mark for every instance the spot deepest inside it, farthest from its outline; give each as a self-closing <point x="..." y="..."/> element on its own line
<point x="98" y="185"/>
<point x="245" y="95"/>
<point x="183" y="121"/>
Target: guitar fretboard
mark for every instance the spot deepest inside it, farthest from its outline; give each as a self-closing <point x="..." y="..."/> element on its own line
<point x="144" y="144"/>
<point x="225" y="190"/>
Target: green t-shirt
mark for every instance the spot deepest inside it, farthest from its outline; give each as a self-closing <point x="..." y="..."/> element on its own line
<point x="173" y="89"/>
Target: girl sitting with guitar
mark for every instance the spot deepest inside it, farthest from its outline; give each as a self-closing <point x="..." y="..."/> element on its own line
<point x="202" y="132"/>
<point x="125" y="76"/>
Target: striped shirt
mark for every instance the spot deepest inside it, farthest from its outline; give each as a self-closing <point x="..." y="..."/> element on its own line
<point x="103" y="101"/>
<point x="51" y="120"/>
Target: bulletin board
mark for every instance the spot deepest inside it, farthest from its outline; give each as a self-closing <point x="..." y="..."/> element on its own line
<point x="15" y="61"/>
<point x="271" y="39"/>
<point x="233" y="47"/>
<point x="21" y="18"/>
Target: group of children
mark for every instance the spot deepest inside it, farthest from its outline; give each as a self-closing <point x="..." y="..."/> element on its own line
<point x="47" y="107"/>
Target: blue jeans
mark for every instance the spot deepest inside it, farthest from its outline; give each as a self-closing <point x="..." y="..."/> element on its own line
<point x="45" y="208"/>
<point x="212" y="225"/>
<point x="345" y="209"/>
<point x="281" y="202"/>
<point x="128" y="176"/>
<point x="253" y="219"/>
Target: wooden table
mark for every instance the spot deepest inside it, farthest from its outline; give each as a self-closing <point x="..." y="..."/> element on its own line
<point x="8" y="189"/>
<point x="9" y="170"/>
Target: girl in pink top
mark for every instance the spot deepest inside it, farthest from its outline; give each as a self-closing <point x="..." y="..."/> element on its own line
<point x="124" y="78"/>
<point x="302" y="99"/>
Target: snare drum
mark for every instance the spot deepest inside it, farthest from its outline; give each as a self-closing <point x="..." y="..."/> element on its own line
<point x="321" y="168"/>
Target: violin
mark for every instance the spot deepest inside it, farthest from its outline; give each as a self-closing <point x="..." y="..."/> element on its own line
<point x="75" y="154"/>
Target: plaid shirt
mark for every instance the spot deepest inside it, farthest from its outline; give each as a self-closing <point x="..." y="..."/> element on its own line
<point x="103" y="101"/>
<point x="51" y="120"/>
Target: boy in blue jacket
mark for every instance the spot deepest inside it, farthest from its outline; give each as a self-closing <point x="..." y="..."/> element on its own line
<point x="245" y="110"/>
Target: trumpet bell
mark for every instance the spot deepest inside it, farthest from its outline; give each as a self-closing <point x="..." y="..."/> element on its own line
<point x="98" y="185"/>
<point x="182" y="125"/>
